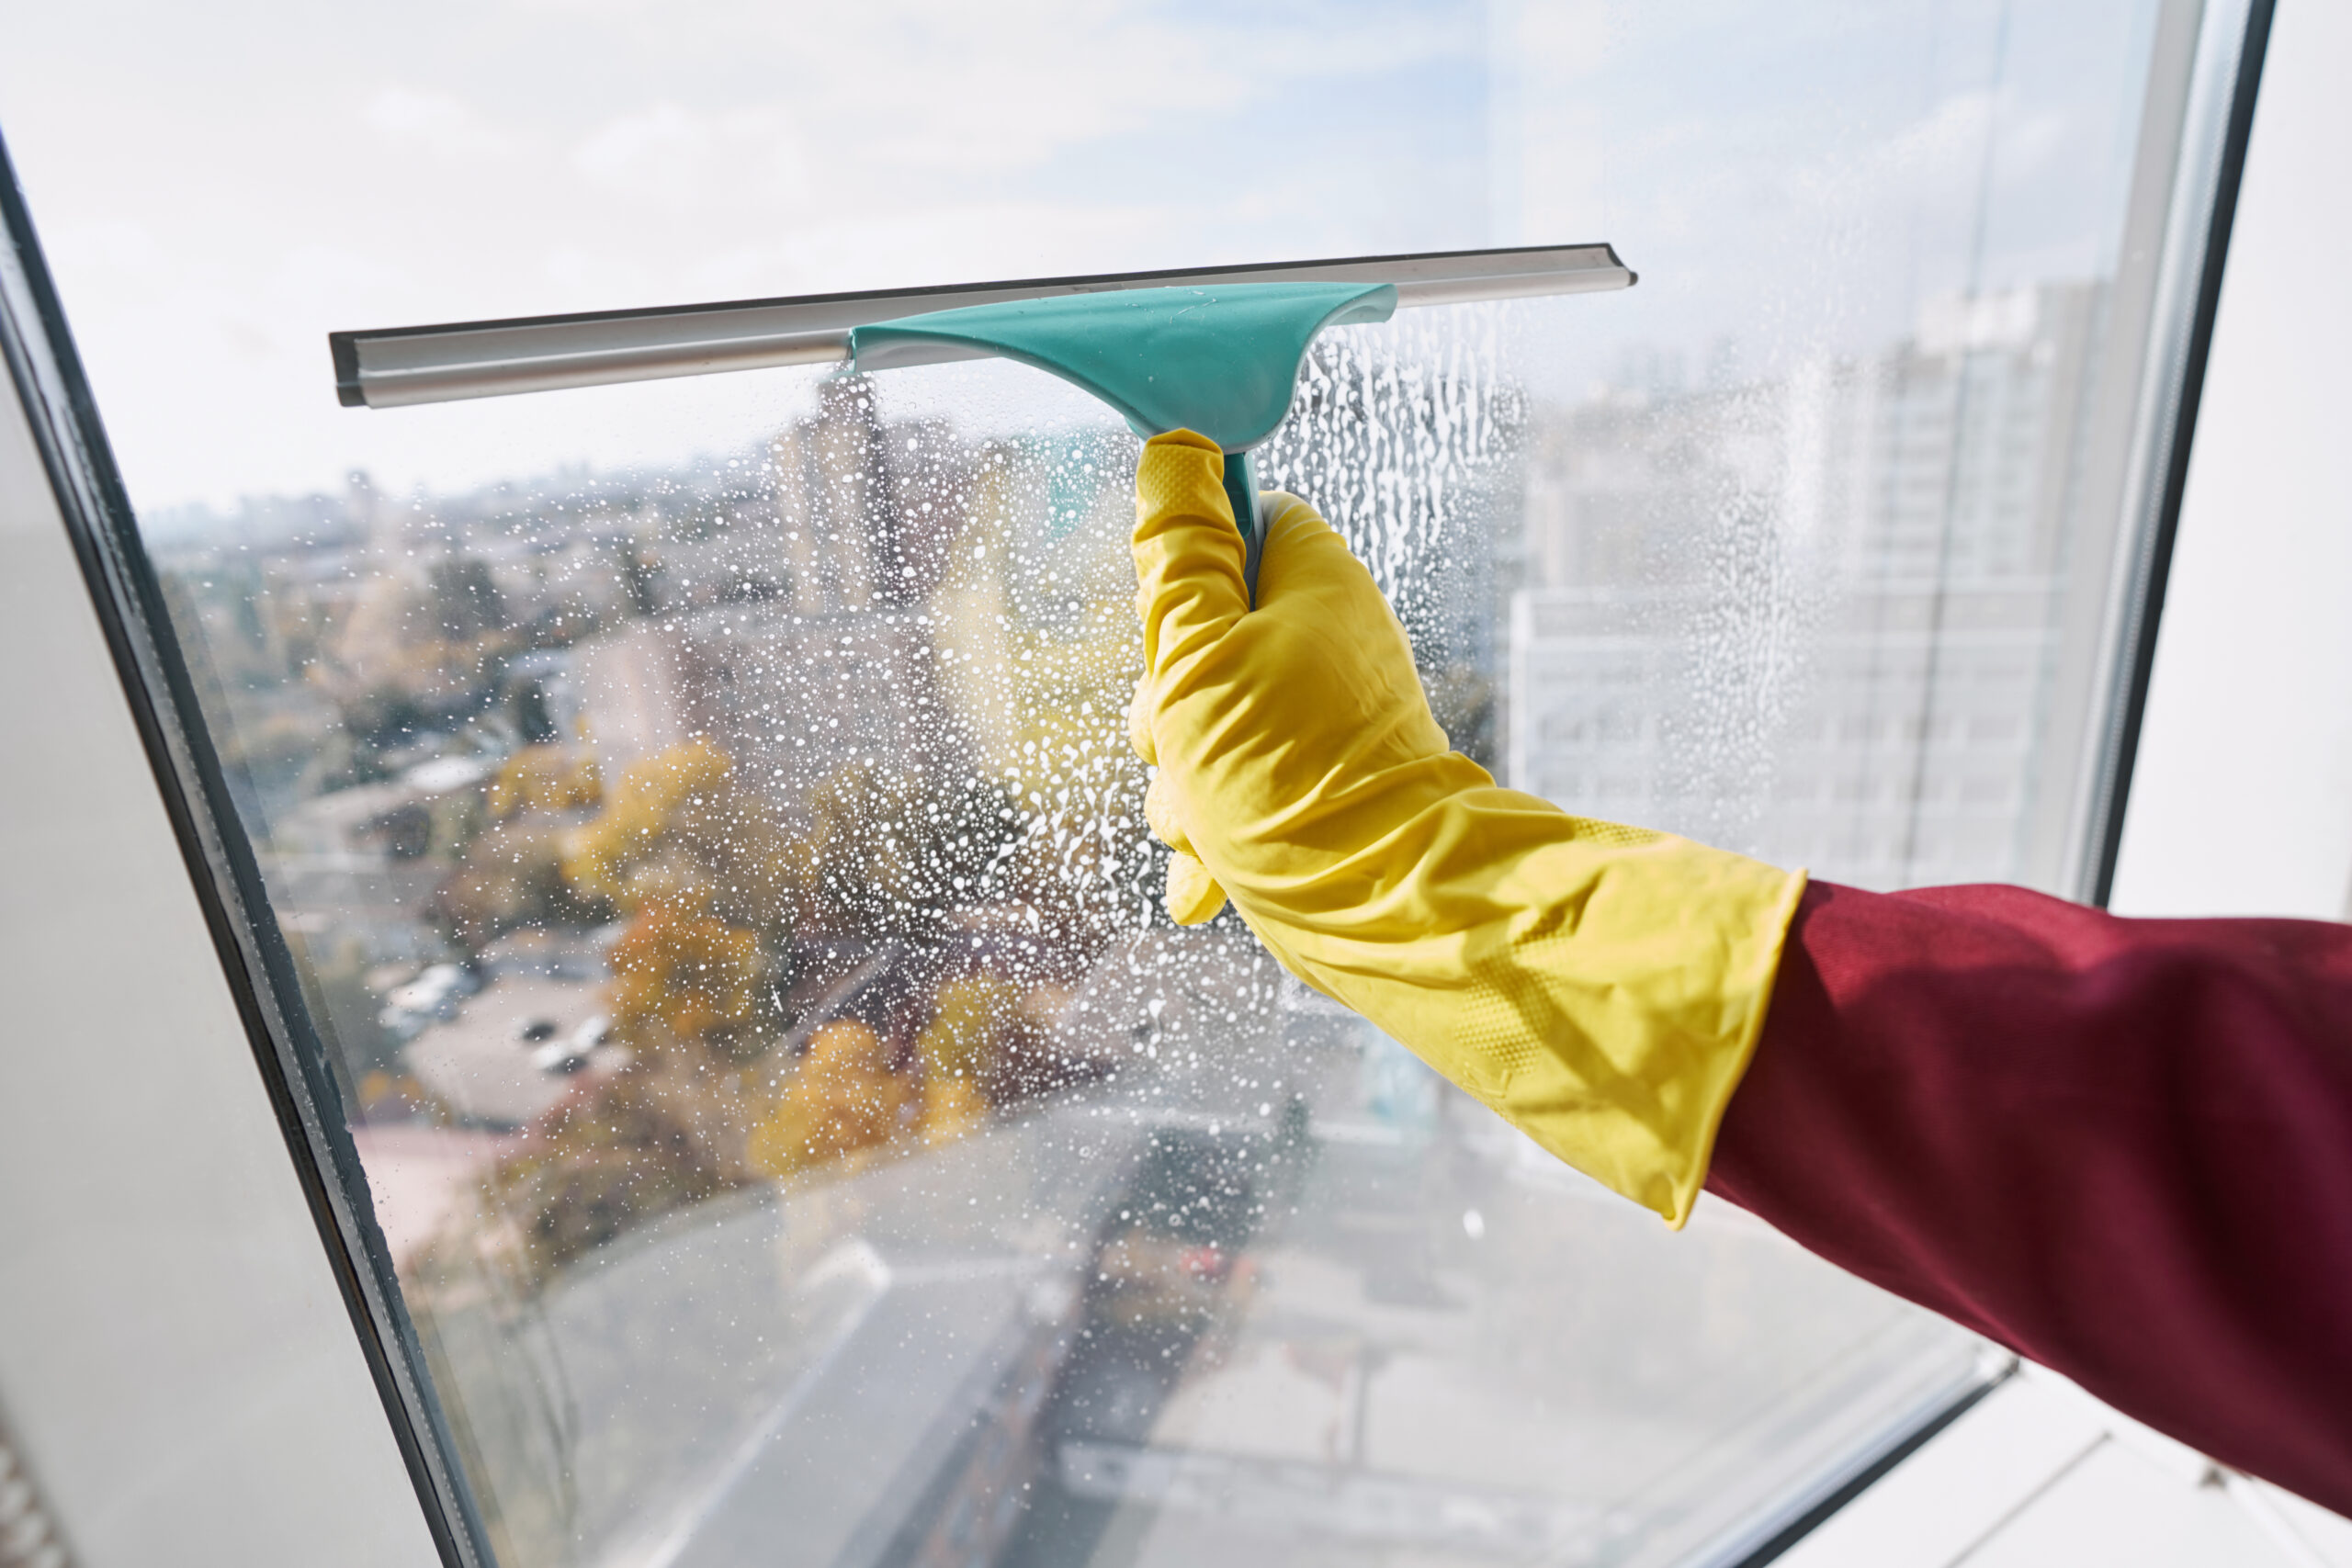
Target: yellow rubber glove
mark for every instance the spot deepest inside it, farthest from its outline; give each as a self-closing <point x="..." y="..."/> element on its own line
<point x="1599" y="986"/>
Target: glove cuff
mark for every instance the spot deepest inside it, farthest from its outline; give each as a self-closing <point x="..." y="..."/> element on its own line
<point x="1604" y="995"/>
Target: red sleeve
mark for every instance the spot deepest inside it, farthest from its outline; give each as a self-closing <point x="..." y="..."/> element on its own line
<point x="2123" y="1149"/>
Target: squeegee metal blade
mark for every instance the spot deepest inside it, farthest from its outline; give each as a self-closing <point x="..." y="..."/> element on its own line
<point x="398" y="366"/>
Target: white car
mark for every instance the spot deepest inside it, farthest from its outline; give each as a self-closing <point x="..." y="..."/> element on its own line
<point x="433" y="995"/>
<point x="570" y="1052"/>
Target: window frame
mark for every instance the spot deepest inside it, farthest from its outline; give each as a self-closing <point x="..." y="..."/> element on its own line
<point x="62" y="416"/>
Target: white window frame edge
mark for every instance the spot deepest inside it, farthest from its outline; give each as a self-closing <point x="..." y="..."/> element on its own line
<point x="2205" y="76"/>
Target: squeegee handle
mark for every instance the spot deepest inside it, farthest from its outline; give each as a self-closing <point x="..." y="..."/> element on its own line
<point x="1241" y="490"/>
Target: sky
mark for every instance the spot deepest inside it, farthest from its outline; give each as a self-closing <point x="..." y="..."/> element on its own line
<point x="219" y="187"/>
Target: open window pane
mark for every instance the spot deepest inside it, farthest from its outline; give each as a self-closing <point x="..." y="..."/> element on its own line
<point x="703" y="817"/>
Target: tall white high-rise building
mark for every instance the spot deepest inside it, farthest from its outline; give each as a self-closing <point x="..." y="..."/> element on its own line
<point x="1815" y="619"/>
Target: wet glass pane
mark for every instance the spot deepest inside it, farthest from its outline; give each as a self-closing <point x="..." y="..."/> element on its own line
<point x="725" y="886"/>
<point x="799" y="1129"/>
<point x="703" y="814"/>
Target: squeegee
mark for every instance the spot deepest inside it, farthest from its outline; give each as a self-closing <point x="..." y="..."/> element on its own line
<point x="1216" y="350"/>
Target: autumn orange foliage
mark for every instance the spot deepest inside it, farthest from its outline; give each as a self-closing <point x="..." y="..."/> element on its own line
<point x="844" y="1098"/>
<point x="684" y="970"/>
<point x="634" y="826"/>
<point x="715" y="885"/>
<point x="545" y="778"/>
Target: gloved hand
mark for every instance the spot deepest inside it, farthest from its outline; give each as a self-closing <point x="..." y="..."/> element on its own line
<point x="1599" y="986"/>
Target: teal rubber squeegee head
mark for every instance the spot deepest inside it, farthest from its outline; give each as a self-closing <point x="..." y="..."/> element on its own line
<point x="1220" y="359"/>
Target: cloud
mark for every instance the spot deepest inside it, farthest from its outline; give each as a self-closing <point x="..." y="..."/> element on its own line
<point x="435" y="122"/>
<point x="677" y="155"/>
<point x="961" y="239"/>
<point x="887" y="85"/>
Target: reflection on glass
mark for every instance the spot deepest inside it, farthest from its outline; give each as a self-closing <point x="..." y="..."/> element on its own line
<point x="721" y="883"/>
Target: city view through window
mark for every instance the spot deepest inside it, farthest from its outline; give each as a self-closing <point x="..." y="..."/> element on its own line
<point x="703" y="818"/>
<point x="726" y="893"/>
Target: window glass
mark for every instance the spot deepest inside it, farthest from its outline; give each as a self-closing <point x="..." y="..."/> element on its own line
<point x="703" y="817"/>
<point x="724" y="885"/>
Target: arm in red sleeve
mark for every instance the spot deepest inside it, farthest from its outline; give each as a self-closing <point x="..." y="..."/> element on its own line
<point x="2120" y="1147"/>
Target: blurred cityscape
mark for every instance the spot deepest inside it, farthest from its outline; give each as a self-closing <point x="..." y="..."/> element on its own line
<point x="724" y="894"/>
<point x="1817" y="619"/>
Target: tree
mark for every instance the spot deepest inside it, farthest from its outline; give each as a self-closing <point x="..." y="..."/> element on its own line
<point x="845" y="1099"/>
<point x="678" y="971"/>
<point x="550" y="778"/>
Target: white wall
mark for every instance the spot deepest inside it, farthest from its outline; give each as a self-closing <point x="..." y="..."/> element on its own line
<point x="174" y="1355"/>
<point x="2243" y="804"/>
